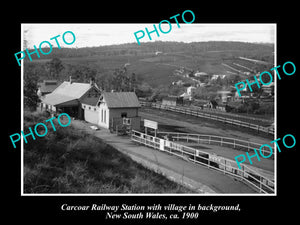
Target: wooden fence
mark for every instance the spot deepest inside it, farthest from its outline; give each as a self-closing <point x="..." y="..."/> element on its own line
<point x="246" y="174"/>
<point x="238" y="144"/>
<point x="197" y="113"/>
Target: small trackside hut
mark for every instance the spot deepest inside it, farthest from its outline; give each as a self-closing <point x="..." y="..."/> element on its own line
<point x="118" y="108"/>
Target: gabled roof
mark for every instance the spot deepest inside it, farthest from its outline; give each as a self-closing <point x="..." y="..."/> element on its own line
<point x="66" y="92"/>
<point x="121" y="99"/>
<point x="213" y="102"/>
<point x="75" y="90"/>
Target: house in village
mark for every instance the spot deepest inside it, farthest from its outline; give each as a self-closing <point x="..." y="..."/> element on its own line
<point x="214" y="105"/>
<point x="69" y="96"/>
<point x="172" y="101"/>
<point x="199" y="74"/>
<point x="189" y="94"/>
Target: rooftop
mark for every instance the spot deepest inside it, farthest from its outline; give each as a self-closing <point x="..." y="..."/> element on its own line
<point x="121" y="99"/>
<point x="47" y="86"/>
<point x="66" y="92"/>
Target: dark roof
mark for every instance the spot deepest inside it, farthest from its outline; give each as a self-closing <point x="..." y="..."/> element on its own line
<point x="48" y="86"/>
<point x="121" y="99"/>
<point x="90" y="101"/>
<point x="213" y="102"/>
<point x="170" y="98"/>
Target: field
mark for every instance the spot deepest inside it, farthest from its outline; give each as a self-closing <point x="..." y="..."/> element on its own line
<point x="70" y="161"/>
<point x="157" y="70"/>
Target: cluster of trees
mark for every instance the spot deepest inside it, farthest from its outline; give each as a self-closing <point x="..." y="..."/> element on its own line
<point x="254" y="107"/>
<point x="30" y="81"/>
<point x="118" y="80"/>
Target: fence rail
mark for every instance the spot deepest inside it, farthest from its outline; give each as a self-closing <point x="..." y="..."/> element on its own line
<point x="251" y="177"/>
<point x="197" y="113"/>
<point x="219" y="140"/>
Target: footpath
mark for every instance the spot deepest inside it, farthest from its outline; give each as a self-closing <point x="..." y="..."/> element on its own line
<point x="198" y="178"/>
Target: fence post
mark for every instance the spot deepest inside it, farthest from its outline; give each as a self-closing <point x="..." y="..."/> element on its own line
<point x="233" y="143"/>
<point x="181" y="147"/>
<point x="221" y="141"/>
<point x="243" y="172"/>
<point x="209" y="140"/>
<point x="260" y="184"/>
<point x="208" y="162"/>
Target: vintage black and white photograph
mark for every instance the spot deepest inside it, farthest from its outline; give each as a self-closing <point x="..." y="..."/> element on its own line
<point x="148" y="109"/>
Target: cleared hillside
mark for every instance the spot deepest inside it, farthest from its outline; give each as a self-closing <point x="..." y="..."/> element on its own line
<point x="158" y="69"/>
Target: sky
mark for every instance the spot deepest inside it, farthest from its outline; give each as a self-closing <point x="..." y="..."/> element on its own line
<point x="91" y="35"/>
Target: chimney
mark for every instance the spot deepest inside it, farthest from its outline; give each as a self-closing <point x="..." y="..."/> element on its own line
<point x="92" y="81"/>
<point x="70" y="79"/>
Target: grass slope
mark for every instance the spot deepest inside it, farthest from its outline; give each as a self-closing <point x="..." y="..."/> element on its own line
<point x="69" y="161"/>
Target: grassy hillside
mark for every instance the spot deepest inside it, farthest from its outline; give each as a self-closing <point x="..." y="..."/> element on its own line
<point x="158" y="69"/>
<point x="69" y="161"/>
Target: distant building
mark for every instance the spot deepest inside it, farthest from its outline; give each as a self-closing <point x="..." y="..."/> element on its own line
<point x="191" y="91"/>
<point x="179" y="83"/>
<point x="46" y="87"/>
<point x="212" y="104"/>
<point x="269" y="89"/>
<point x="189" y="94"/>
<point x="185" y="96"/>
<point x="215" y="77"/>
<point x="199" y="74"/>
<point x="172" y="101"/>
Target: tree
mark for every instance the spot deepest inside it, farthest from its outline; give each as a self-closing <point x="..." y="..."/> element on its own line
<point x="133" y="82"/>
<point x="31" y="98"/>
<point x="54" y="67"/>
